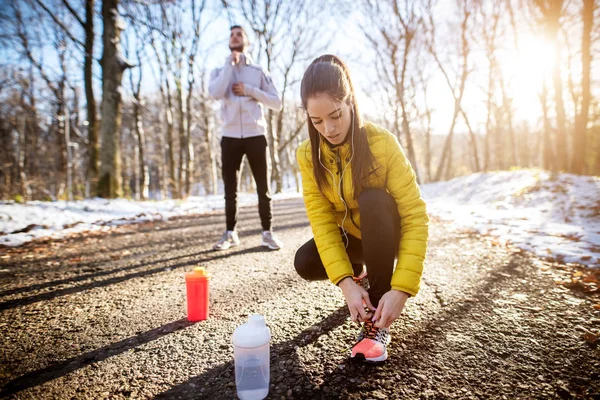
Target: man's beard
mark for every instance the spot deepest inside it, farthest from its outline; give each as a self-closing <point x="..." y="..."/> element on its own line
<point x="239" y="48"/>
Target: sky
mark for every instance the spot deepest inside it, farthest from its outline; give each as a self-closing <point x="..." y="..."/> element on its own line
<point x="549" y="216"/>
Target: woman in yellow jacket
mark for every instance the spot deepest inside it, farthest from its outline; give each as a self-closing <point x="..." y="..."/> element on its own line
<point x="364" y="207"/>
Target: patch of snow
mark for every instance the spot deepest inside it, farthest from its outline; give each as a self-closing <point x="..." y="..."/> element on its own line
<point x="554" y="216"/>
<point x="551" y="216"/>
<point x="59" y="218"/>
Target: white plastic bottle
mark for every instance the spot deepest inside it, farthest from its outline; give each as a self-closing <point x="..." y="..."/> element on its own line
<point x="252" y="358"/>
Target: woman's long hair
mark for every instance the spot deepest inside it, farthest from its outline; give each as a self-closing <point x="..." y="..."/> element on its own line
<point x="329" y="75"/>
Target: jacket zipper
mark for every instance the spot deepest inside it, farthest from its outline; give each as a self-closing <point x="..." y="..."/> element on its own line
<point x="240" y="103"/>
<point x="338" y="161"/>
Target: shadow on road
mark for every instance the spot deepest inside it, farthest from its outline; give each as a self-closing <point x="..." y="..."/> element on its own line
<point x="117" y="279"/>
<point x="279" y="351"/>
<point x="65" y="367"/>
<point x="50" y="295"/>
<point x="248" y="214"/>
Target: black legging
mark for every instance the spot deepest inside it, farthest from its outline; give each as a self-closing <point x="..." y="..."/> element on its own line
<point x="257" y="152"/>
<point x="380" y="231"/>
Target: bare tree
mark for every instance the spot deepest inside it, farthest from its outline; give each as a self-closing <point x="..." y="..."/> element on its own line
<point x="578" y="165"/>
<point x="57" y="85"/>
<point x="197" y="13"/>
<point x="395" y="25"/>
<point x="549" y="159"/>
<point x="551" y="12"/>
<point x="143" y="177"/>
<point x="88" y="51"/>
<point x="423" y="79"/>
<point x="113" y="66"/>
<point x="207" y="127"/>
<point x="445" y="163"/>
<point x="489" y="33"/>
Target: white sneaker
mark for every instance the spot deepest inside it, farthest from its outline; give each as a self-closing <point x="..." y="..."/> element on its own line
<point x="229" y="239"/>
<point x="269" y="240"/>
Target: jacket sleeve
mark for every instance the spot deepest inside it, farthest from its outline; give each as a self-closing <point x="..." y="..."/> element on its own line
<point x="402" y="185"/>
<point x="219" y="81"/>
<point x="266" y="94"/>
<point x="324" y="226"/>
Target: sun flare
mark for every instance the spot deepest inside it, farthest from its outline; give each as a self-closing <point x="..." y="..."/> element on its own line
<point x="525" y="69"/>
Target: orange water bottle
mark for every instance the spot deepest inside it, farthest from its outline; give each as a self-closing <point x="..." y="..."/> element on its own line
<point x="197" y="288"/>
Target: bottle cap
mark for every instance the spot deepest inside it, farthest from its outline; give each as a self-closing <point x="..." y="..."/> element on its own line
<point x="199" y="273"/>
<point x="253" y="333"/>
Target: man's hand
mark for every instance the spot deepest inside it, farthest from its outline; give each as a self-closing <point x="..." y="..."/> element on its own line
<point x="355" y="295"/>
<point x="238" y="89"/>
<point x="390" y="307"/>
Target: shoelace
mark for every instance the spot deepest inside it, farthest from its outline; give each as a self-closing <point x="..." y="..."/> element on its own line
<point x="369" y="330"/>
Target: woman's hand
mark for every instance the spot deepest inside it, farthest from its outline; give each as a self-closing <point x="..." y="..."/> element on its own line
<point x="390" y="307"/>
<point x="355" y="295"/>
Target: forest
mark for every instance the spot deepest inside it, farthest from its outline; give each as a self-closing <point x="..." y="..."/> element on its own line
<point x="109" y="98"/>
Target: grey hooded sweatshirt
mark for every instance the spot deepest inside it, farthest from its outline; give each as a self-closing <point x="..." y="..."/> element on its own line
<point x="243" y="116"/>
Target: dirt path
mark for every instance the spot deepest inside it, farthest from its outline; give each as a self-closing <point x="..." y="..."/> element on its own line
<point x="103" y="316"/>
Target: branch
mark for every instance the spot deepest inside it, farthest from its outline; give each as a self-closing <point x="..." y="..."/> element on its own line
<point x="293" y="136"/>
<point x="72" y="11"/>
<point x="60" y="24"/>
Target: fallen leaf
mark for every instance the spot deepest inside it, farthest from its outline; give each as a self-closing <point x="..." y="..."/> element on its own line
<point x="590" y="279"/>
<point x="590" y="338"/>
<point x="597" y="306"/>
<point x="75" y="260"/>
<point x="578" y="273"/>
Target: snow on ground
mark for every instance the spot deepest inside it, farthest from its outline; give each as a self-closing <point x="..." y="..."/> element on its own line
<point x="40" y="219"/>
<point x="551" y="216"/>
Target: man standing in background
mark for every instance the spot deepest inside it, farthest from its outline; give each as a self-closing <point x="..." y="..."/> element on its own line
<point x="244" y="88"/>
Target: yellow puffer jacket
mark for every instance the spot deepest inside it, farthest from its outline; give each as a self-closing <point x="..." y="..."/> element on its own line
<point x="393" y="173"/>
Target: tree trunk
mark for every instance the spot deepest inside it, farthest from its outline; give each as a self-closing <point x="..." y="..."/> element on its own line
<point x="69" y="155"/>
<point x="579" y="138"/>
<point x="22" y="150"/>
<point x="507" y="114"/>
<point x="162" y="169"/>
<point x="144" y="177"/>
<point x="109" y="184"/>
<point x="561" y="121"/>
<point x="473" y="141"/>
<point x="446" y="152"/>
<point x="182" y="129"/>
<point x="93" y="143"/>
<point x="275" y="163"/>
<point x="488" y="128"/>
<point x="548" y="155"/>
<point x="170" y="145"/>
<point x="400" y="88"/>
<point x="189" y="148"/>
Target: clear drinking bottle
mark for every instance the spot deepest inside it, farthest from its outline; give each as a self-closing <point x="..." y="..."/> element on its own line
<point x="252" y="358"/>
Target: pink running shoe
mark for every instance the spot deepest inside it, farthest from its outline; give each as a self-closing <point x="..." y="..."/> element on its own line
<point x="371" y="343"/>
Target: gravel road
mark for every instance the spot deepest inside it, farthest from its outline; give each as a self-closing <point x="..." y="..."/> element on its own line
<point x="103" y="316"/>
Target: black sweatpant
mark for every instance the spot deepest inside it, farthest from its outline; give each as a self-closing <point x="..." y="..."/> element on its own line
<point x="257" y="152"/>
<point x="380" y="231"/>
